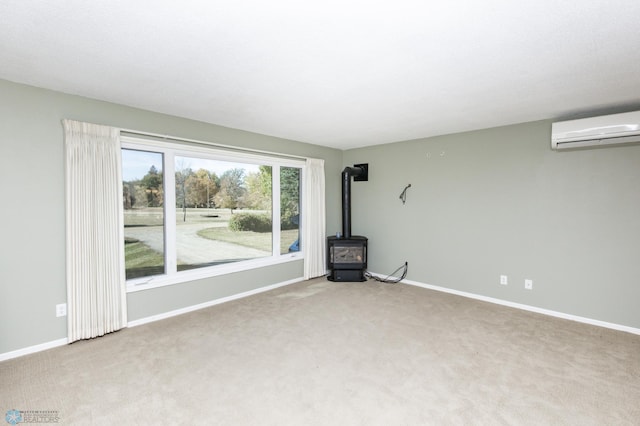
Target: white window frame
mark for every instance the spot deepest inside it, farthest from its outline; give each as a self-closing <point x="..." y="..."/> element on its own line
<point x="170" y="150"/>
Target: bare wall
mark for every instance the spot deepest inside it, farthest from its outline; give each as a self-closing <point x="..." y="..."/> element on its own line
<point x="500" y="201"/>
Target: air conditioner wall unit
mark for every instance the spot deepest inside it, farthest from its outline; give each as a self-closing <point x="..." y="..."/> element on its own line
<point x="611" y="129"/>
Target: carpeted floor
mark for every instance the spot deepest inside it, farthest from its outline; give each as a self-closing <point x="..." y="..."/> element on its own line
<point x="323" y="353"/>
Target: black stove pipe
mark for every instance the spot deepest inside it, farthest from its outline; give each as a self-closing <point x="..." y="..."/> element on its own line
<point x="346" y="198"/>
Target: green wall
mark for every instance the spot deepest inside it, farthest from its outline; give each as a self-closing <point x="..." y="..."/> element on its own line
<point x="32" y="221"/>
<point x="500" y="201"/>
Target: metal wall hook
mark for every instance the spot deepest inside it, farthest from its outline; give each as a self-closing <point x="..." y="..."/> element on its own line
<point x="403" y="195"/>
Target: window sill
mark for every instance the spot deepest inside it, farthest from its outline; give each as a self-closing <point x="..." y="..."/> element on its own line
<point x="157" y="281"/>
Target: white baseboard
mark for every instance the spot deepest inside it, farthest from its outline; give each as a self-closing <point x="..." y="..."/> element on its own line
<point x="33" y="349"/>
<point x="556" y="314"/>
<point x="62" y="342"/>
<point x="209" y="303"/>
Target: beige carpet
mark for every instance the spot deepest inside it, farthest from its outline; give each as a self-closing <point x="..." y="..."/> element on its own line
<point x="323" y="353"/>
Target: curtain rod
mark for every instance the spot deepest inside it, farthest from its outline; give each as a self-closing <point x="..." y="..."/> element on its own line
<point x="214" y="144"/>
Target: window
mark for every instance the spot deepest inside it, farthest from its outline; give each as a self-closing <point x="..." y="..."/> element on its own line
<point x="142" y="195"/>
<point x="192" y="212"/>
<point x="290" y="209"/>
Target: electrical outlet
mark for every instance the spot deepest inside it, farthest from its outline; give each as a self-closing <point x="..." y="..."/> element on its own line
<point x="528" y="284"/>
<point x="61" y="310"/>
<point x="504" y="280"/>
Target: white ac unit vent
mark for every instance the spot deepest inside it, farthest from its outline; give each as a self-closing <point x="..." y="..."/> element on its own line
<point x="611" y="129"/>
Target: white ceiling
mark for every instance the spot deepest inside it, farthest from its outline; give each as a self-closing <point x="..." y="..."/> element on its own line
<point x="339" y="73"/>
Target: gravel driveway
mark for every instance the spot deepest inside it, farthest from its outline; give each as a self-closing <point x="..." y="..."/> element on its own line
<point x="191" y="248"/>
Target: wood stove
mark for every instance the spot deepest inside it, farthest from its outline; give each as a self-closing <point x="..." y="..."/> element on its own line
<point x="346" y="253"/>
<point x="347" y="258"/>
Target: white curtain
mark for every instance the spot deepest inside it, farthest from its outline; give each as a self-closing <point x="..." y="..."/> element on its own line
<point x="96" y="292"/>
<point x="314" y="228"/>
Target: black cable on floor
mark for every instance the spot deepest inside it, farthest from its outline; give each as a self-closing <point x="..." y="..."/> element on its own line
<point x="388" y="279"/>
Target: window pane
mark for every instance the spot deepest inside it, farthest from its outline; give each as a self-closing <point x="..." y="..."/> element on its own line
<point x="223" y="212"/>
<point x="143" y="198"/>
<point x="289" y="209"/>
